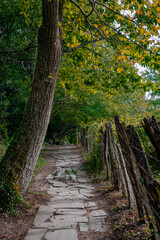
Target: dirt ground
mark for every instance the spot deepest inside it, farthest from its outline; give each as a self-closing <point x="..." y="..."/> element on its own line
<point x="122" y="222"/>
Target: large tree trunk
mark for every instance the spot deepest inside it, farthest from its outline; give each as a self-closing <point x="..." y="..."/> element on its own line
<point x="19" y="162"/>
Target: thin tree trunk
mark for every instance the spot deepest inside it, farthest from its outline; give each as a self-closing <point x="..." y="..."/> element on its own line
<point x="19" y="162"/>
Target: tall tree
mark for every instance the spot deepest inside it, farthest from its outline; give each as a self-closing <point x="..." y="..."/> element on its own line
<point x="20" y="159"/>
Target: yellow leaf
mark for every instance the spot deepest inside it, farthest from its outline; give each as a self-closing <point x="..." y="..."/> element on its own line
<point x="111" y="68"/>
<point x="154" y="4"/>
<point x="68" y="45"/>
<point x="144" y="41"/>
<point x="158" y="20"/>
<point x="119" y="70"/>
<point x="59" y="23"/>
<point x="158" y="9"/>
<point x="149" y="13"/>
<point x="142" y="31"/>
<point x="123" y="51"/>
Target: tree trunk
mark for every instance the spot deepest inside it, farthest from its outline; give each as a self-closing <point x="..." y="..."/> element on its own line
<point x="19" y="162"/>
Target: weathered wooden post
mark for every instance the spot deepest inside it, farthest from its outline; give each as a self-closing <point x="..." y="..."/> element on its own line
<point x="152" y="128"/>
<point x="152" y="186"/>
<point x="133" y="172"/>
<point x="126" y="178"/>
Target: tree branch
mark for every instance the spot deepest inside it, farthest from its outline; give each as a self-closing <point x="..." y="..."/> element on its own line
<point x="82" y="45"/>
<point x="98" y="3"/>
<point x="115" y="30"/>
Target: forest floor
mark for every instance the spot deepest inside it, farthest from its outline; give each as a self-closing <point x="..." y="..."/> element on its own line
<point x="122" y="222"/>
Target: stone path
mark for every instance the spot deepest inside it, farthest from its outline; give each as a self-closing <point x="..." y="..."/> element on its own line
<point x="71" y="211"/>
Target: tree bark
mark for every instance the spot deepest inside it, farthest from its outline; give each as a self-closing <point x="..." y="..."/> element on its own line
<point x="19" y="162"/>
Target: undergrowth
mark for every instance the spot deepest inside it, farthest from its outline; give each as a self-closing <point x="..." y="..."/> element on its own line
<point x="10" y="194"/>
<point x="10" y="198"/>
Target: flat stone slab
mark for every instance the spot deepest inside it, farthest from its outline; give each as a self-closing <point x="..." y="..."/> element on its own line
<point x="81" y="180"/>
<point x="98" y="213"/>
<point x="50" y="176"/>
<point x="57" y="183"/>
<point x="97" y="224"/>
<point x="68" y="234"/>
<point x="71" y="212"/>
<point x="43" y="214"/>
<point x="69" y="197"/>
<point x="67" y="221"/>
<point x="83" y="227"/>
<point x="35" y="234"/>
<point x="45" y="210"/>
<point x="52" y="190"/>
<point x="85" y="191"/>
<point x="90" y="205"/>
<point x="68" y="205"/>
<point x="84" y="186"/>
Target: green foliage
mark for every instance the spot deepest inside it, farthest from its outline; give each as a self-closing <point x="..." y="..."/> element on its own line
<point x="10" y="197"/>
<point x="19" y="27"/>
<point x="93" y="158"/>
<point x="41" y="163"/>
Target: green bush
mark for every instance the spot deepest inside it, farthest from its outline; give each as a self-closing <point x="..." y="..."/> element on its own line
<point x="10" y="197"/>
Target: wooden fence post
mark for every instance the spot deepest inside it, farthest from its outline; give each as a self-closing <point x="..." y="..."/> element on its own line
<point x="133" y="172"/>
<point x="102" y="148"/>
<point x="152" y="128"/>
<point x="126" y="178"/>
<point x="106" y="154"/>
<point x="113" y="158"/>
<point x="152" y="186"/>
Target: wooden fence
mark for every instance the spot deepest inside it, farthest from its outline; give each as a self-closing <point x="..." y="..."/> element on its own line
<point x="128" y="164"/>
